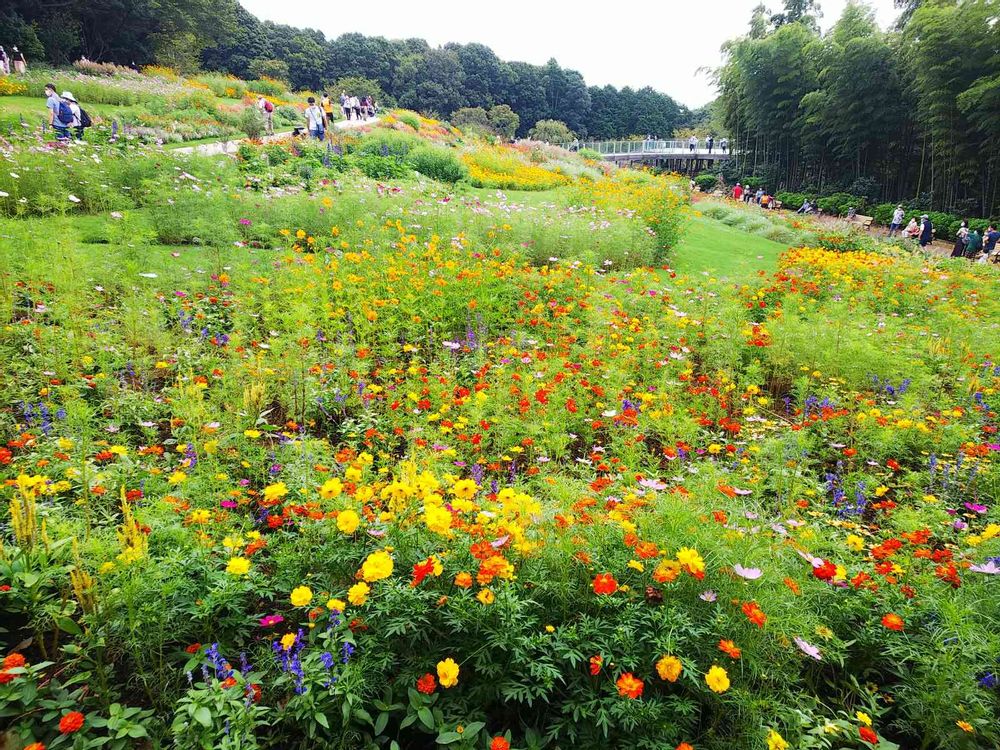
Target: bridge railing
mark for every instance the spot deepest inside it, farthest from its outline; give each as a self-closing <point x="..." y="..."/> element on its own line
<point x="646" y="146"/>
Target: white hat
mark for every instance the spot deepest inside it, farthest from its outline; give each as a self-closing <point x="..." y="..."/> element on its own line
<point x="68" y="95"/>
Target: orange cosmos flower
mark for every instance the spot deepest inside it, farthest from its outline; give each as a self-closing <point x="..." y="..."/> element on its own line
<point x="605" y="584"/>
<point x="629" y="686"/>
<point x="730" y="649"/>
<point x="892" y="621"/>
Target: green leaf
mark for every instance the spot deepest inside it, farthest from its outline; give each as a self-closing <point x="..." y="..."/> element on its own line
<point x="446" y="738"/>
<point x="321" y="719"/>
<point x="203" y="716"/>
<point x="473" y="728"/>
<point x="409" y="719"/>
<point x="68" y="625"/>
<point x="380" y="722"/>
<point x="426" y="717"/>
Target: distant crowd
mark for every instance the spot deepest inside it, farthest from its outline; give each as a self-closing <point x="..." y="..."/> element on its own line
<point x="13" y="62"/>
<point x="320" y="117"/>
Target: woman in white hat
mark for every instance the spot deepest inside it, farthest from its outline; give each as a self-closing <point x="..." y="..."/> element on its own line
<point x="77" y="123"/>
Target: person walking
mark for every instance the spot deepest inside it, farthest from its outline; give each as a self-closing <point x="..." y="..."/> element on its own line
<point x="266" y="108"/>
<point x="692" y="143"/>
<point x="343" y="105"/>
<point x="961" y="240"/>
<point x="315" y="119"/>
<point x="926" y="231"/>
<point x="710" y="141"/>
<point x="4" y="62"/>
<point x="356" y="106"/>
<point x="897" y="220"/>
<point x="724" y="145"/>
<point x="738" y="192"/>
<point x="20" y="64"/>
<point x="758" y="195"/>
<point x="60" y="113"/>
<point x="973" y="244"/>
<point x="328" y="110"/>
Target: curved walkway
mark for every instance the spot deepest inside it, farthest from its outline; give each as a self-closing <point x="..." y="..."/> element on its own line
<point x="230" y="146"/>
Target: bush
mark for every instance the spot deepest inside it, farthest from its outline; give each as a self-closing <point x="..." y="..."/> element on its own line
<point x="267" y="87"/>
<point x="838" y="204"/>
<point x="791" y="200"/>
<point x="551" y="131"/>
<point x="380" y="167"/>
<point x="251" y="122"/>
<point x="437" y="163"/>
<point x="706" y="182"/>
<point x="409" y="118"/>
<point x="386" y="142"/>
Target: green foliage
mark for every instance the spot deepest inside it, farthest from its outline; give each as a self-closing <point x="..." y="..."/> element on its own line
<point x="839" y="204"/>
<point x="380" y="167"/>
<point x="252" y="122"/>
<point x="706" y="181"/>
<point x="551" y="131"/>
<point x="440" y="164"/>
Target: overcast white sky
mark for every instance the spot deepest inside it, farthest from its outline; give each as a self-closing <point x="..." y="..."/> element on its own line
<point x="625" y="45"/>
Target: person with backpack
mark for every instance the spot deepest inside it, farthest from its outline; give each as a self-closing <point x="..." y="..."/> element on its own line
<point x="315" y="120"/>
<point x="961" y="240"/>
<point x="926" y="231"/>
<point x="267" y="112"/>
<point x="60" y="113"/>
<point x="78" y="115"/>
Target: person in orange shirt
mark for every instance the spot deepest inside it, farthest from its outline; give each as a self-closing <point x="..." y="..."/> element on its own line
<point x="327" y="104"/>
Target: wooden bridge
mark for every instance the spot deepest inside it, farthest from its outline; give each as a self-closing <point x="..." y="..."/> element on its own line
<point x="678" y="155"/>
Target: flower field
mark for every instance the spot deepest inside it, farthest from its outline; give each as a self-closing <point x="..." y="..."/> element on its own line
<point x="294" y="456"/>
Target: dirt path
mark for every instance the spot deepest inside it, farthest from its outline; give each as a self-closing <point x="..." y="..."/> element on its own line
<point x="230" y="146"/>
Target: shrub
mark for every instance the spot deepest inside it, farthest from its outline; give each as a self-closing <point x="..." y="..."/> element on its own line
<point x="251" y="122"/>
<point x="791" y="200"/>
<point x="437" y="163"/>
<point x="706" y="182"/>
<point x="551" y="131"/>
<point x="91" y="68"/>
<point x="380" y="167"/>
<point x="838" y="204"/>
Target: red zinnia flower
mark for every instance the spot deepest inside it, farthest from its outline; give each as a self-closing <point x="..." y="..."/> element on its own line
<point x="892" y="621"/>
<point x="427" y="684"/>
<point x="14" y="660"/>
<point x="868" y="735"/>
<point x="499" y="743"/>
<point x="826" y="571"/>
<point x="605" y="583"/>
<point x="629" y="685"/>
<point x="71" y="722"/>
<point x="595" y="664"/>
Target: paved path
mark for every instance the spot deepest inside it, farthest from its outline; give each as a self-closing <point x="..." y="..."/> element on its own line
<point x="229" y="147"/>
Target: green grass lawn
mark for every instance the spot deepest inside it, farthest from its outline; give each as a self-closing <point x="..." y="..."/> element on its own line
<point x="712" y="247"/>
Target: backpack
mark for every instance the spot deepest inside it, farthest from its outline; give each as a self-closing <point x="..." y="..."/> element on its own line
<point x="268" y="107"/>
<point x="85" y="121"/>
<point x="65" y="115"/>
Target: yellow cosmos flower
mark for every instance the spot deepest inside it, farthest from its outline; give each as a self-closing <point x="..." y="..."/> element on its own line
<point x="447" y="673"/>
<point x="377" y="566"/>
<point x="336" y="604"/>
<point x="775" y="741"/>
<point x="301" y="596"/>
<point x="238" y="566"/>
<point x="348" y="521"/>
<point x="464" y="489"/>
<point x="438" y="519"/>
<point x="358" y="593"/>
<point x="717" y="680"/>
<point x="331" y="488"/>
<point x="669" y="668"/>
<point x="486" y="596"/>
<point x="275" y="491"/>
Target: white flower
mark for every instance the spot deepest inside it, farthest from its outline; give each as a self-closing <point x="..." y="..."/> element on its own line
<point x="73" y="199"/>
<point x="148" y="275"/>
<point x="3" y="194"/>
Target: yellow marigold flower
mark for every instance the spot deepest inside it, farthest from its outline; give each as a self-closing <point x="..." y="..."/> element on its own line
<point x="377" y="566"/>
<point x="287" y="641"/>
<point x="275" y="491"/>
<point x="251" y="433"/>
<point x="717" y="680"/>
<point x="331" y="488"/>
<point x="200" y="516"/>
<point x="238" y="566"/>
<point x="464" y="489"/>
<point x="965" y="726"/>
<point x="177" y="477"/>
<point x="447" y="673"/>
<point x="485" y="596"/>
<point x="336" y="604"/>
<point x="855" y="542"/>
<point x="669" y="668"/>
<point x="775" y="741"/>
<point x="348" y="521"/>
<point x="301" y="596"/>
<point x="358" y="593"/>
<point x="864" y="718"/>
<point x="550" y="629"/>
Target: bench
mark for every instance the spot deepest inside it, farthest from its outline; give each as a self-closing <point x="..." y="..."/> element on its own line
<point x="863" y="221"/>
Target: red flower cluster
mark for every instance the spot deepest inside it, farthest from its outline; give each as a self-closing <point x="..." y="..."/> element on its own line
<point x="605" y="584"/>
<point x="71" y="722"/>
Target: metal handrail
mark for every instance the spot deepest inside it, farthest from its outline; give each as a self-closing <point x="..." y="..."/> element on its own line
<point x="646" y="146"/>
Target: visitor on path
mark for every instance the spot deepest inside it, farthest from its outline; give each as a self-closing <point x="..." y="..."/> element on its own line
<point x="692" y="143"/>
<point x="724" y="145"/>
<point x="912" y="229"/>
<point x="973" y="244"/>
<point x="737" y="192"/>
<point x="926" y="231"/>
<point x="343" y="105"/>
<point x="315" y="120"/>
<point x="20" y="64"/>
<point x="710" y="141"/>
<point x="328" y="109"/>
<point x="4" y="62"/>
<point x="961" y="240"/>
<point x="805" y="208"/>
<point x="60" y="113"/>
<point x="758" y="195"/>
<point x="266" y="107"/>
<point x="897" y="220"/>
<point x="991" y="238"/>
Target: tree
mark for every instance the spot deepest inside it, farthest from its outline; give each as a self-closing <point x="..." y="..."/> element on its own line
<point x="356" y="86"/>
<point x="431" y="82"/>
<point x="527" y="94"/>
<point x="472" y="119"/>
<point x="551" y="131"/>
<point x="566" y="96"/>
<point x="487" y="79"/>
<point x="235" y="52"/>
<point x="260" y="68"/>
<point x="359" y="56"/>
<point x="798" y="11"/>
<point x="504" y="120"/>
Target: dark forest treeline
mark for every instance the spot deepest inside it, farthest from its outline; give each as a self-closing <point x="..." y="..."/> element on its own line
<point x="222" y="35"/>
<point x="913" y="112"/>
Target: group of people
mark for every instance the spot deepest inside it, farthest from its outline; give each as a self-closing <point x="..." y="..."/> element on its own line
<point x="320" y="117"/>
<point x="922" y="231"/>
<point x="65" y="114"/>
<point x="709" y="144"/>
<point x="759" y="197"/>
<point x="969" y="243"/>
<point x="12" y="63"/>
